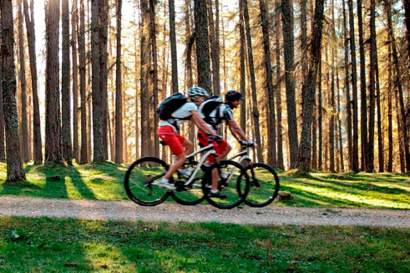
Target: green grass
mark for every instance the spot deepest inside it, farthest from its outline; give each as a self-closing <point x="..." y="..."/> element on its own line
<point x="104" y="182"/>
<point x="50" y="245"/>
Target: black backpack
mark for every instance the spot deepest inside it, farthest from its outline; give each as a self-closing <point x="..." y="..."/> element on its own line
<point x="170" y="105"/>
<point x="209" y="106"/>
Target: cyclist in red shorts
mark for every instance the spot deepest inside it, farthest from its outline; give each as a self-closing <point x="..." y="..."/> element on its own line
<point x="214" y="112"/>
<point x="168" y="131"/>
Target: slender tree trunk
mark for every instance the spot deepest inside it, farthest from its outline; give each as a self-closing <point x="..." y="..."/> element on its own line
<point x="2" y="139"/>
<point x="202" y="45"/>
<point x="74" y="56"/>
<point x="339" y="123"/>
<point x="279" y="129"/>
<point x="14" y="165"/>
<point x="84" y="155"/>
<point x="255" y="111"/>
<point x="154" y="75"/>
<point x="363" y="99"/>
<point x="137" y="98"/>
<point x="332" y="106"/>
<point x="355" y="145"/>
<point x="348" y="108"/>
<point x="173" y="43"/>
<point x="119" y="157"/>
<point x="99" y="78"/>
<point x="309" y="89"/>
<point x="189" y="41"/>
<point x="65" y="83"/>
<point x="406" y="4"/>
<point x="270" y="102"/>
<point x="242" y="56"/>
<point x="380" y="132"/>
<point x="398" y="85"/>
<point x="288" y="40"/>
<point x="390" y="111"/>
<point x="320" y="118"/>
<point x="23" y="86"/>
<point x="53" y="113"/>
<point x="214" y="45"/>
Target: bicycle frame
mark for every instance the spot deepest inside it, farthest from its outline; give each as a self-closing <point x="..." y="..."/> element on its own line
<point x="243" y="155"/>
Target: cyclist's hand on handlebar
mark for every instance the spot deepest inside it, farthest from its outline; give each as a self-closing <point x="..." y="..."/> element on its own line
<point x="215" y="137"/>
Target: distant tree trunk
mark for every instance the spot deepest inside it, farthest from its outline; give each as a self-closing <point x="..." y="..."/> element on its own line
<point x="309" y="89"/>
<point x="137" y="98"/>
<point x="270" y="101"/>
<point x="398" y="86"/>
<point x="400" y="140"/>
<point x="380" y="132"/>
<point x="255" y="111"/>
<point x="372" y="87"/>
<point x="406" y="4"/>
<point x="202" y="45"/>
<point x="154" y="77"/>
<point x="390" y="110"/>
<point x="53" y="113"/>
<point x="303" y="36"/>
<point x="279" y="162"/>
<point x="242" y="56"/>
<point x="98" y="60"/>
<point x="65" y="84"/>
<point x="355" y="146"/>
<point x="145" y="59"/>
<point x="214" y="45"/>
<point x="363" y="99"/>
<point x="288" y="40"/>
<point x="320" y="118"/>
<point x="74" y="55"/>
<point x="173" y="43"/>
<point x="348" y="108"/>
<point x="14" y="165"/>
<point x="23" y="85"/>
<point x="331" y="132"/>
<point x="339" y="123"/>
<point x="82" y="69"/>
<point x="119" y="157"/>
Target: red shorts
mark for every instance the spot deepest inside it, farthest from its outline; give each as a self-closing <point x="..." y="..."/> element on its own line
<point x="171" y="138"/>
<point x="220" y="146"/>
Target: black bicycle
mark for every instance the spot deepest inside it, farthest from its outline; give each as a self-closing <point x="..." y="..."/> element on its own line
<point x="263" y="179"/>
<point x="192" y="182"/>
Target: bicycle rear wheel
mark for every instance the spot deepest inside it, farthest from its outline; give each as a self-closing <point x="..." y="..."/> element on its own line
<point x="233" y="183"/>
<point x="264" y="184"/>
<point x="139" y="181"/>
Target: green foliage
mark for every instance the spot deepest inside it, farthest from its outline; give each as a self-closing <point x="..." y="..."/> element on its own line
<point x="50" y="245"/>
<point x="103" y="181"/>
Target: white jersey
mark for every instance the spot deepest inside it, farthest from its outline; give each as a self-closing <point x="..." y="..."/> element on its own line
<point x="183" y="113"/>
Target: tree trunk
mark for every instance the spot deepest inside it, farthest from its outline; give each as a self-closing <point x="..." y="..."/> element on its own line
<point x="119" y="157"/>
<point x="65" y="83"/>
<point x="137" y="98"/>
<point x="398" y="85"/>
<point x="406" y="4"/>
<point x="242" y="56"/>
<point x="214" y="45"/>
<point x="320" y="118"/>
<point x="255" y="111"/>
<point x="348" y="107"/>
<point x="74" y="55"/>
<point x="279" y="162"/>
<point x="390" y="110"/>
<point x="98" y="60"/>
<point x="173" y="43"/>
<point x="363" y="99"/>
<point x="53" y="113"/>
<point x="23" y="86"/>
<point x="82" y="69"/>
<point x="339" y="123"/>
<point x="332" y="108"/>
<point x="202" y="45"/>
<point x="288" y="40"/>
<point x="355" y="145"/>
<point x="14" y="165"/>
<point x="270" y="101"/>
<point x="2" y="139"/>
<point x="308" y="89"/>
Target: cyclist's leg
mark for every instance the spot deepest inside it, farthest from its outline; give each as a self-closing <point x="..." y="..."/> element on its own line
<point x="188" y="145"/>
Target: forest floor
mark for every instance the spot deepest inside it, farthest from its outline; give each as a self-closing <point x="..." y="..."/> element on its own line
<point x="104" y="182"/>
<point x="333" y="223"/>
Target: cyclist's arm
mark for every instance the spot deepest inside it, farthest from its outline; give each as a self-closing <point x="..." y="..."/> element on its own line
<point x="196" y="118"/>
<point x="236" y="131"/>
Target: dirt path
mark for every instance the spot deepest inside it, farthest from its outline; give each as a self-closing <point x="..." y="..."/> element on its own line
<point x="272" y="215"/>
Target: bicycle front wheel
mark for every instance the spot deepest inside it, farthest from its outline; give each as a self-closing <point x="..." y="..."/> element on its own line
<point x="264" y="184"/>
<point x="140" y="181"/>
<point x="233" y="184"/>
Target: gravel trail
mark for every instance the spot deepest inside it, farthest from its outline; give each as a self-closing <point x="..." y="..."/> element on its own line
<point x="173" y="213"/>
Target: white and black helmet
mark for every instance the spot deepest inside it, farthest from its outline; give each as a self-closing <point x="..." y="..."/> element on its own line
<point x="196" y="91"/>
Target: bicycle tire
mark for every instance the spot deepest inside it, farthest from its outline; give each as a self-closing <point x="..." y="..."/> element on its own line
<point x="192" y="196"/>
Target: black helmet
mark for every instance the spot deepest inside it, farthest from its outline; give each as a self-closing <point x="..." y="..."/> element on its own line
<point x="232" y="95"/>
